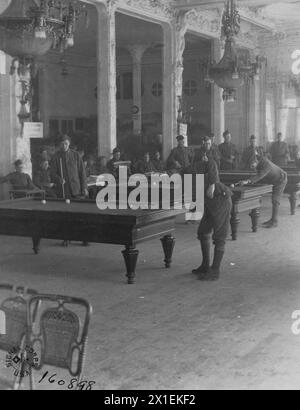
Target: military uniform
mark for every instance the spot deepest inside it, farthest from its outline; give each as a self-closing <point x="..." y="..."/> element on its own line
<point x="215" y="221"/>
<point x="182" y="155"/>
<point x="43" y="180"/>
<point x="271" y="174"/>
<point x="159" y="165"/>
<point x="73" y="173"/>
<point x="248" y="157"/>
<point x="143" y="167"/>
<point x="227" y="150"/>
<point x="18" y="180"/>
<point x="279" y="153"/>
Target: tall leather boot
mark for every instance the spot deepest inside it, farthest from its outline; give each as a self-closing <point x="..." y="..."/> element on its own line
<point x="205" y="248"/>
<point x="273" y="223"/>
<point x="214" y="271"/>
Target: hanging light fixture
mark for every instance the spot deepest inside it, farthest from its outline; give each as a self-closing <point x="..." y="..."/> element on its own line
<point x="30" y="28"/>
<point x="231" y="71"/>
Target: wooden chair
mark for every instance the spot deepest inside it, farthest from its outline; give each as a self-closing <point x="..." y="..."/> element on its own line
<point x="13" y="340"/>
<point x="57" y="332"/>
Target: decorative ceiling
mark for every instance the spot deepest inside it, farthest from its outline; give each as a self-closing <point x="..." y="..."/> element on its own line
<point x="280" y="12"/>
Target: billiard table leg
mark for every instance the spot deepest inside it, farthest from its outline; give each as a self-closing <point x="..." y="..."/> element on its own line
<point x="168" y="243"/>
<point x="130" y="255"/>
<point x="293" y="202"/>
<point x="254" y="214"/>
<point x="234" y="222"/>
<point x="36" y="244"/>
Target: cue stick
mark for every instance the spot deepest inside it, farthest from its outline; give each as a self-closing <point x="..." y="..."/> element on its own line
<point x="62" y="177"/>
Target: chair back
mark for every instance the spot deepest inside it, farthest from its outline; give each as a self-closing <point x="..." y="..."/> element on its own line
<point x="14" y="313"/>
<point x="59" y="332"/>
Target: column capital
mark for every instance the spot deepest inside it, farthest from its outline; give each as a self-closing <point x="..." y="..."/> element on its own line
<point x="137" y="51"/>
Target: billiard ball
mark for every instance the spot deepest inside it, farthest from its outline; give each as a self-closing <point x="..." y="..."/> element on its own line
<point x="44" y="202"/>
<point x="68" y="201"/>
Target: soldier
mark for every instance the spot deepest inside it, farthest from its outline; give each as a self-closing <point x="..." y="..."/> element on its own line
<point x="216" y="218"/>
<point x="43" y="179"/>
<point x="158" y="162"/>
<point x="18" y="179"/>
<point x="249" y="154"/>
<point x="67" y="168"/>
<point x="279" y="152"/>
<point x="181" y="158"/>
<point x="269" y="173"/>
<point x="228" y="153"/>
<point x="145" y="165"/>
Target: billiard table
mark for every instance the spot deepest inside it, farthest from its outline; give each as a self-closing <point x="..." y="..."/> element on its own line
<point x="292" y="188"/>
<point x="83" y="221"/>
<point x="247" y="198"/>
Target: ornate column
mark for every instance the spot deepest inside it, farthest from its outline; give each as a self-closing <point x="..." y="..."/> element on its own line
<point x="21" y="80"/>
<point x="174" y="45"/>
<point x="106" y="62"/>
<point x="218" y="107"/>
<point x="169" y="94"/>
<point x="263" y="106"/>
<point x="137" y="53"/>
<point x="281" y="111"/>
<point x="254" y="109"/>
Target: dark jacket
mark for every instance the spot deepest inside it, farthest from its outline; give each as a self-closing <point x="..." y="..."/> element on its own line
<point x="279" y="153"/>
<point x="143" y="167"/>
<point x="73" y="172"/>
<point x="227" y="151"/>
<point x="183" y="155"/>
<point x="269" y="173"/>
<point x="19" y="180"/>
<point x="248" y="157"/>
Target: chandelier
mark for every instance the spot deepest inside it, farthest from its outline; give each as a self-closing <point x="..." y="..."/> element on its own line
<point x="30" y="28"/>
<point x="232" y="70"/>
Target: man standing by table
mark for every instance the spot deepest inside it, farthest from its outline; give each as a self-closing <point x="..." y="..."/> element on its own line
<point x="216" y="218"/>
<point x="228" y="153"/>
<point x="271" y="174"/>
<point x="279" y="151"/>
<point x="68" y="171"/>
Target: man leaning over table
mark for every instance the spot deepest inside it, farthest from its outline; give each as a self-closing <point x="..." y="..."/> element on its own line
<point x="269" y="173"/>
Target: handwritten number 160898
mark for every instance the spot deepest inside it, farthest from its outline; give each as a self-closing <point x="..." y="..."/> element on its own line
<point x="73" y="384"/>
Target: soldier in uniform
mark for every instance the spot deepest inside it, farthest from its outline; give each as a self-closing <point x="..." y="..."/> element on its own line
<point x="249" y="154"/>
<point x="18" y="179"/>
<point x="44" y="180"/>
<point x="279" y="152"/>
<point x="216" y="219"/>
<point x="269" y="173"/>
<point x="158" y="162"/>
<point x="228" y="153"/>
<point x="181" y="158"/>
<point x="145" y="165"/>
<point x="67" y="169"/>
